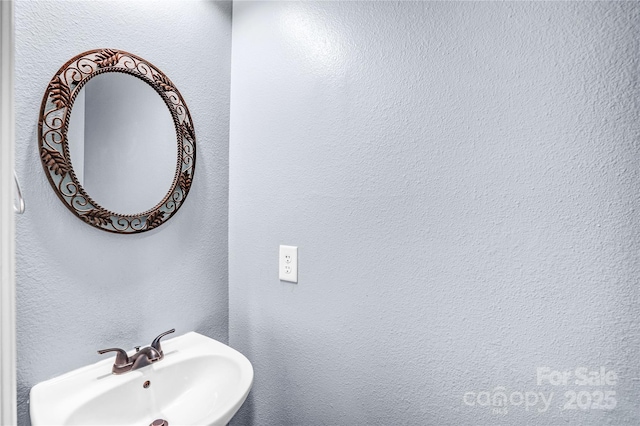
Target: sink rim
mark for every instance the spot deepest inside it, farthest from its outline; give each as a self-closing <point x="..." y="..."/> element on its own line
<point x="92" y="378"/>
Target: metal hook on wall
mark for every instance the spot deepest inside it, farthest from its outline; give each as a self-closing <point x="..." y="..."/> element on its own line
<point x="20" y="207"/>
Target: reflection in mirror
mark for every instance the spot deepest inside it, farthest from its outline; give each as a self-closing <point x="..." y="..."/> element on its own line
<point x="122" y="143"/>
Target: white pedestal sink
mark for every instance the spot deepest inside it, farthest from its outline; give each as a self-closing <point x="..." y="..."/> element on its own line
<point x="200" y="382"/>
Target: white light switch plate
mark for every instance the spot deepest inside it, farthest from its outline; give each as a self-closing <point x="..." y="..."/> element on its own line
<point x="288" y="264"/>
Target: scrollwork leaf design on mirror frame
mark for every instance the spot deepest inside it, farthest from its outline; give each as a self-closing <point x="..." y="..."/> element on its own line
<point x="60" y="93"/>
<point x="97" y="217"/>
<point x="164" y="82"/>
<point x="107" y="58"/>
<point x="54" y="161"/>
<point x="155" y="219"/>
<point x="56" y="106"/>
<point x="188" y="131"/>
<point x="185" y="181"/>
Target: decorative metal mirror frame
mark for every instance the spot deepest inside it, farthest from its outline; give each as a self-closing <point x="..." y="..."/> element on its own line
<point x="53" y="145"/>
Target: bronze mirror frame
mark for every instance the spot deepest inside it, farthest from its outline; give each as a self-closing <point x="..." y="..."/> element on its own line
<point x="53" y="124"/>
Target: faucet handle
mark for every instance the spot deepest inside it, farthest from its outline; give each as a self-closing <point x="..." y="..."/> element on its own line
<point x="156" y="342"/>
<point x="121" y="358"/>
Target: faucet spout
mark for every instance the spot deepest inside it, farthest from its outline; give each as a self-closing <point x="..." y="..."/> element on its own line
<point x="145" y="356"/>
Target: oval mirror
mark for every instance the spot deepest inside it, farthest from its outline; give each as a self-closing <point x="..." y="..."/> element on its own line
<point x="117" y="141"/>
<point x="128" y="167"/>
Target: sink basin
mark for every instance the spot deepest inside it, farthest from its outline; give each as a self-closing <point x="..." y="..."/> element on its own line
<point x="200" y="382"/>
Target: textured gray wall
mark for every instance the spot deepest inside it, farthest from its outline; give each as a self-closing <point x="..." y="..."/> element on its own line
<point x="80" y="289"/>
<point x="462" y="180"/>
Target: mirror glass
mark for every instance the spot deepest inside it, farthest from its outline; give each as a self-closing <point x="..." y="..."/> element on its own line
<point x="122" y="143"/>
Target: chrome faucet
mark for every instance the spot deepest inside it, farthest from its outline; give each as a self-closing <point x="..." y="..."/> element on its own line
<point x="141" y="358"/>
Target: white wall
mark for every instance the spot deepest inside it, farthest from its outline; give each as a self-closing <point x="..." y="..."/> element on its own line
<point x="462" y="180"/>
<point x="80" y="289"/>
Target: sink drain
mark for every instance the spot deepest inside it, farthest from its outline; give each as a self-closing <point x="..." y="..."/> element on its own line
<point x="159" y="422"/>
